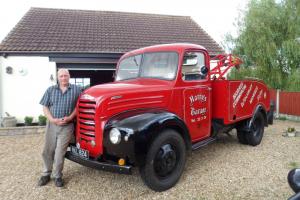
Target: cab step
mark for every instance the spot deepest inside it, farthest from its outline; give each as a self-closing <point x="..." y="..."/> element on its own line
<point x="203" y="143"/>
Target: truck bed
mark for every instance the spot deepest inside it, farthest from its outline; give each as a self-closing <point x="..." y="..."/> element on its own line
<point x="234" y="100"/>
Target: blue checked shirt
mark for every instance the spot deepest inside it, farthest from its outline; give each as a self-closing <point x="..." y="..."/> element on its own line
<point x="61" y="104"/>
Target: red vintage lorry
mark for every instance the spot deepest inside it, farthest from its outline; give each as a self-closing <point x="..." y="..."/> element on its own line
<point x="165" y="101"/>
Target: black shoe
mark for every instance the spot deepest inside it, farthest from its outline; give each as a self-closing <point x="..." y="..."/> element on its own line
<point x="43" y="180"/>
<point x="58" y="182"/>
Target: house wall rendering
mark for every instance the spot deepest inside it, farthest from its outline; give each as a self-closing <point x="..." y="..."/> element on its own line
<point x="24" y="85"/>
<point x="1" y="88"/>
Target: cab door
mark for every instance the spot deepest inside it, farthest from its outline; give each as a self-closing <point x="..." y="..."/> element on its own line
<point x="196" y="94"/>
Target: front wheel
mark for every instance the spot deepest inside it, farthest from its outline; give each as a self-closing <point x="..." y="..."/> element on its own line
<point x="165" y="161"/>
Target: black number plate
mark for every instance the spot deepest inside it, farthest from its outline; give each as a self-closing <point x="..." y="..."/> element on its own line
<point x="80" y="152"/>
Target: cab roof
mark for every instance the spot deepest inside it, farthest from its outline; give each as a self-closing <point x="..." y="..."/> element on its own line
<point x="165" y="47"/>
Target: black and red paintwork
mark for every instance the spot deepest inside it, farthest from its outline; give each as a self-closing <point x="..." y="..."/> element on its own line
<point x="142" y="108"/>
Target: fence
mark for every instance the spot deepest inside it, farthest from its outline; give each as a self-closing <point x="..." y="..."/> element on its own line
<point x="286" y="102"/>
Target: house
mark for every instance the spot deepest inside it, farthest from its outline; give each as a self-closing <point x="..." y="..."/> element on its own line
<point x="88" y="43"/>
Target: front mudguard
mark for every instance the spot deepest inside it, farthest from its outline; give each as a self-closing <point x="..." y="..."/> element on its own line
<point x="138" y="128"/>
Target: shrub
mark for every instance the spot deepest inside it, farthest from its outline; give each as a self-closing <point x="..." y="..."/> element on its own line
<point x="42" y="120"/>
<point x="28" y="120"/>
<point x="290" y="129"/>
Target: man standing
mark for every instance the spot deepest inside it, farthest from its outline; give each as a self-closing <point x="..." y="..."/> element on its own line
<point x="59" y="103"/>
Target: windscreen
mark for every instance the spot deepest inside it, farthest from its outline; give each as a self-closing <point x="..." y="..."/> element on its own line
<point x="160" y="65"/>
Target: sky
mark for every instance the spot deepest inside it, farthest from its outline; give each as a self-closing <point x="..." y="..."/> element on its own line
<point x="216" y="17"/>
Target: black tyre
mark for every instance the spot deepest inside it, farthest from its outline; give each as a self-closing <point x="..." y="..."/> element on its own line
<point x="165" y="161"/>
<point x="241" y="130"/>
<point x="241" y="135"/>
<point x="255" y="135"/>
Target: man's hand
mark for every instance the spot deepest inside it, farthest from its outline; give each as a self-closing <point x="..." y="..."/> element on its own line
<point x="67" y="119"/>
<point x="59" y="122"/>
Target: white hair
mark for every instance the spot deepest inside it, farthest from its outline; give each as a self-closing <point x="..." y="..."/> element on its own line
<point x="63" y="70"/>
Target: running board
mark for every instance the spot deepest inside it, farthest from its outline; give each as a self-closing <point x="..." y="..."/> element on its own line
<point x="203" y="143"/>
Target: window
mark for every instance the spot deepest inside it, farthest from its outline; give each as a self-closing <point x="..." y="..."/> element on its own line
<point x="82" y="82"/>
<point x="193" y="62"/>
<point x="161" y="65"/>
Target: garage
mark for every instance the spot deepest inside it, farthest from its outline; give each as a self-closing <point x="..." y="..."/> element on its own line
<point x="88" y="71"/>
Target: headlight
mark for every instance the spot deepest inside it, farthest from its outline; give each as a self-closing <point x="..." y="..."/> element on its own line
<point x="115" y="136"/>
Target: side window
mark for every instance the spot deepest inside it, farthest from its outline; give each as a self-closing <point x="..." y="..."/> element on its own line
<point x="193" y="65"/>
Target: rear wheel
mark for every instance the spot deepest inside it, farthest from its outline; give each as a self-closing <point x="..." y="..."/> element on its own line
<point x="165" y="161"/>
<point x="241" y="130"/>
<point x="255" y="135"/>
<point x="241" y="135"/>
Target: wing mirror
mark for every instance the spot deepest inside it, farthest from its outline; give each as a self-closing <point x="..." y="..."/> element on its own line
<point x="204" y="70"/>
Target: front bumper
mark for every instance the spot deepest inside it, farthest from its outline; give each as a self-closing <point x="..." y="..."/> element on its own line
<point x="98" y="165"/>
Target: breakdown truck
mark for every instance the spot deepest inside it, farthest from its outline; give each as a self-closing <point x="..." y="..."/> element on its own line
<point x="165" y="101"/>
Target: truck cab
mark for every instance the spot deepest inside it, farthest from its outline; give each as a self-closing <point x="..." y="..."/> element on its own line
<point x="165" y="101"/>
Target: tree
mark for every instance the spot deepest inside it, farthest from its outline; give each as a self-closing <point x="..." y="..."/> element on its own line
<point x="269" y="42"/>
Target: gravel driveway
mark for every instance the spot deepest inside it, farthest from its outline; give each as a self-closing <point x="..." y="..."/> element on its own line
<point x="222" y="170"/>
